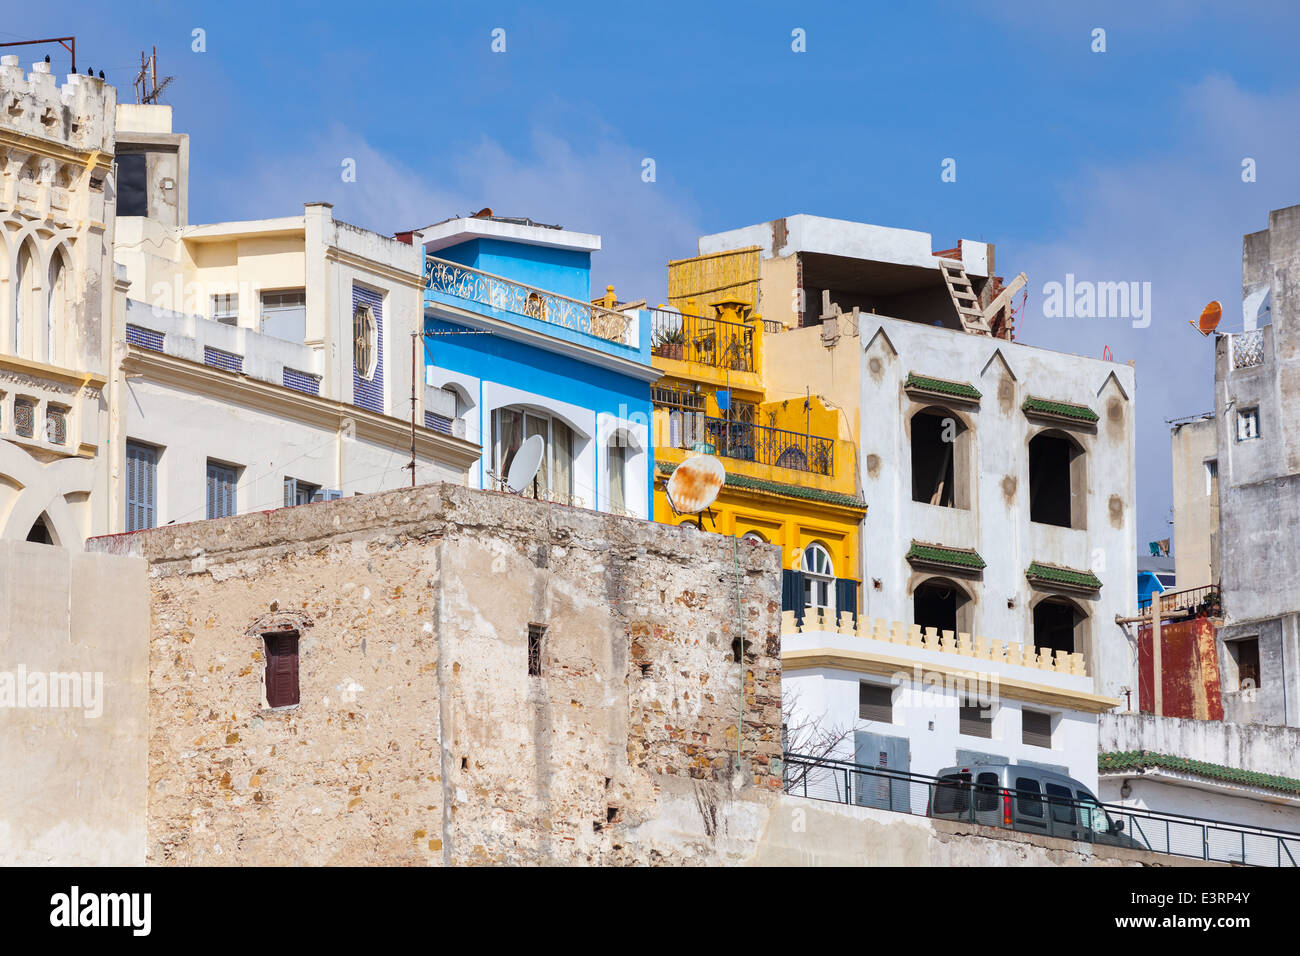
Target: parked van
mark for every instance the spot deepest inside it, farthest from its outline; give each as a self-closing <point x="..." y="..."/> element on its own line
<point x="1027" y="798"/>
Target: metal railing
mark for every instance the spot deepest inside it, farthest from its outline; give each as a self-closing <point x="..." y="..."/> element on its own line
<point x="1105" y="824"/>
<point x="771" y="446"/>
<point x="1190" y="602"/>
<point x="507" y="295"/>
<point x="694" y="338"/>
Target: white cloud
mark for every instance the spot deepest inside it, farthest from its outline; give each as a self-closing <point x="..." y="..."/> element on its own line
<point x="594" y="186"/>
<point x="1176" y="220"/>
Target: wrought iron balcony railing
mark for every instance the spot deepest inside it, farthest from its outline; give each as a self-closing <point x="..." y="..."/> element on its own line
<point x="693" y="338"/>
<point x="507" y="295"/>
<point x="757" y="443"/>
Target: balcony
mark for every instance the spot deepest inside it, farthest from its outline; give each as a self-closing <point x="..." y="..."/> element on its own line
<point x="1179" y="605"/>
<point x="716" y="343"/>
<point x="450" y="281"/>
<point x="760" y="444"/>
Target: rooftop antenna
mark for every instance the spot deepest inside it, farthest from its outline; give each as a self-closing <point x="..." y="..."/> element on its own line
<point x="68" y="43"/>
<point x="1209" y="320"/>
<point x="147" y="88"/>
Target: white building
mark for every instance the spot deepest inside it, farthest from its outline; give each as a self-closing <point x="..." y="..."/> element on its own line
<point x="56" y="233"/>
<point x="263" y="363"/>
<point x="999" y="481"/>
<point x="1210" y="770"/>
<point x="901" y="698"/>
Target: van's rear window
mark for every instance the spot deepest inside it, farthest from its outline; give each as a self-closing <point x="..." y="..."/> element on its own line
<point x="952" y="793"/>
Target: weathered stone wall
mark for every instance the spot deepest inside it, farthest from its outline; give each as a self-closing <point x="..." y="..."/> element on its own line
<point x="73" y="707"/>
<point x="420" y="737"/>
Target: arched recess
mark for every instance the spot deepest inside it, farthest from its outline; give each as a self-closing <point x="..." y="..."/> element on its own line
<point x="59" y="307"/>
<point x="941" y="457"/>
<point x="27" y="306"/>
<point x="1058" y="479"/>
<point x="43" y="490"/>
<point x="1060" y="624"/>
<point x="41" y="531"/>
<point x="943" y="604"/>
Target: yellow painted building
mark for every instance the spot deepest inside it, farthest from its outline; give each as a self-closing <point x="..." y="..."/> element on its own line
<point x="792" y="464"/>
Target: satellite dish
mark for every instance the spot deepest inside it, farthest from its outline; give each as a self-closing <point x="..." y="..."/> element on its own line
<point x="526" y="462"/>
<point x="695" y="484"/>
<point x="1209" y="320"/>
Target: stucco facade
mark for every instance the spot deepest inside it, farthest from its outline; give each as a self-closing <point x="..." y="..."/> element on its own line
<point x="1194" y="445"/>
<point x="277" y="350"/>
<point x="511" y="329"/>
<point x="57" y="193"/>
<point x="1256" y="386"/>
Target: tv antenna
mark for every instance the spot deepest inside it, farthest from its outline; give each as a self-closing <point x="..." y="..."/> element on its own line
<point x="147" y="88"/>
<point x="694" y="486"/>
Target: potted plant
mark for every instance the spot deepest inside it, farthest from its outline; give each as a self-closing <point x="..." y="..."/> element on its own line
<point x="669" y="342"/>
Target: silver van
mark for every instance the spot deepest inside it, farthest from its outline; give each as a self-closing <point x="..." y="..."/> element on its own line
<point x="1027" y="798"/>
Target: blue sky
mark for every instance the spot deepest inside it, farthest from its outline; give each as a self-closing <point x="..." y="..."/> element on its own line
<point x="1115" y="166"/>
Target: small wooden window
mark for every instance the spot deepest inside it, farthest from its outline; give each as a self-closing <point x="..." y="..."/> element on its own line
<point x="281" y="668"/>
<point x="535" y="634"/>
<point x="1245" y="653"/>
<point x="876" y="702"/>
<point x="974" y="723"/>
<point x="1035" y="728"/>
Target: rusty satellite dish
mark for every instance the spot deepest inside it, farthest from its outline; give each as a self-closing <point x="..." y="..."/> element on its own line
<point x="695" y="484"/>
<point x="1209" y="320"/>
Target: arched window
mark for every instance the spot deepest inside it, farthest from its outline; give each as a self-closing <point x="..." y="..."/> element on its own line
<point x="1057" y="480"/>
<point x="941" y="604"/>
<point x="616" y="465"/>
<point x="40" y="532"/>
<point x="818" y="577"/>
<point x="555" y="479"/>
<point x="939" y="459"/>
<point x="753" y="536"/>
<point x="1059" y="625"/>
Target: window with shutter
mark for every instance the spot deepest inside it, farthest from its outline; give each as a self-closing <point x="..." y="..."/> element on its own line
<point x="876" y="702"/>
<point x="976" y="721"/>
<point x="141" y="486"/>
<point x="1036" y="728"/>
<point x="222" y="480"/>
<point x="281" y="668"/>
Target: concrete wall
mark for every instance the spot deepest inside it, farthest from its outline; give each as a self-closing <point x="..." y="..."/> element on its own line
<point x="1163" y="792"/>
<point x="1196" y="504"/>
<point x="73" y="777"/>
<point x="1246" y="746"/>
<point x="420" y="737"/>
<point x="1259" y="478"/>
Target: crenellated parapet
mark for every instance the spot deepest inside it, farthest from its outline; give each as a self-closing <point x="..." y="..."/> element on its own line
<point x="932" y="639"/>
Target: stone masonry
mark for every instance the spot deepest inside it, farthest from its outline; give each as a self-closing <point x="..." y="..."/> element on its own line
<point x="420" y="737"/>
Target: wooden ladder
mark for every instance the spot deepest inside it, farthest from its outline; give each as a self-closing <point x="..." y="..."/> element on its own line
<point x="963" y="296"/>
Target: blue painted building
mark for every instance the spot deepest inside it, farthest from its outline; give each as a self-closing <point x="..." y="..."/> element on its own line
<point x="552" y="364"/>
